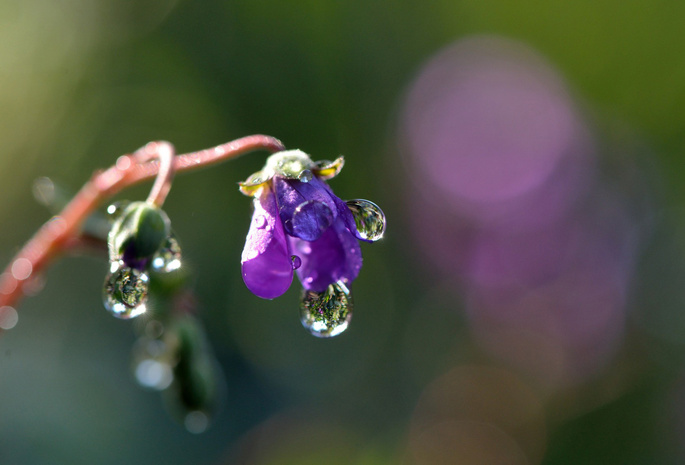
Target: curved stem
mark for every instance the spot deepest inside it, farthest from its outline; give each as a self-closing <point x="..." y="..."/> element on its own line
<point x="165" y="152"/>
<point x="55" y="235"/>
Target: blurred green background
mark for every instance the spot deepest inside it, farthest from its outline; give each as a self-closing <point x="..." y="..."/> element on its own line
<point x="411" y="381"/>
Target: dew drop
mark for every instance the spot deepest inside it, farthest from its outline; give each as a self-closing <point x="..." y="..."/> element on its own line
<point x="296" y="261"/>
<point x="196" y="422"/>
<point x="34" y="285"/>
<point x="22" y="269"/>
<point x="44" y="191"/>
<point x="125" y="291"/>
<point x="369" y="218"/>
<point x="305" y="176"/>
<point x="261" y="222"/>
<point x="8" y="317"/>
<point x="168" y="257"/>
<point x="327" y="313"/>
<point x="154" y="374"/>
<point x="152" y="363"/>
<point x="115" y="210"/>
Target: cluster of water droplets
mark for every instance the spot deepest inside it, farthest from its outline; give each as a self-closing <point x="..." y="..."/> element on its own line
<point x="327" y="313"/>
<point x="126" y="288"/>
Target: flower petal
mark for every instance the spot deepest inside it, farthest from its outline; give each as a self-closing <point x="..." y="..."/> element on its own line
<point x="335" y="256"/>
<point x="266" y="264"/>
<point x="311" y="219"/>
<point x="344" y="212"/>
<point x="305" y="208"/>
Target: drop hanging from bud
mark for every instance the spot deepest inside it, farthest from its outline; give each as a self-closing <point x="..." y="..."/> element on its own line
<point x="152" y="363"/>
<point x="369" y="219"/>
<point x="168" y="257"/>
<point x="125" y="291"/>
<point x="328" y="313"/>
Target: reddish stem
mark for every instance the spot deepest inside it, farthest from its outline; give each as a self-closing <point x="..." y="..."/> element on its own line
<point x="62" y="230"/>
<point x="164" y="152"/>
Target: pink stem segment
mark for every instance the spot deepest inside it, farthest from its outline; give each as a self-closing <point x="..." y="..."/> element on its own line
<point x="155" y="160"/>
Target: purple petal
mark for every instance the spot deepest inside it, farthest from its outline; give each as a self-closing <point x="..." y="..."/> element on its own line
<point x="311" y="219"/>
<point x="344" y="212"/>
<point x="335" y="256"/>
<point x="305" y="208"/>
<point x="267" y="267"/>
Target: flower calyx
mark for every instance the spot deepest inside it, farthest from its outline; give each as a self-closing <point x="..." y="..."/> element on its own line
<point x="290" y="164"/>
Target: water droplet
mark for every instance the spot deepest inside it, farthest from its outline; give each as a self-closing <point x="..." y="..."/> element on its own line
<point x="261" y="222"/>
<point x="297" y="261"/>
<point x="328" y="313"/>
<point x="125" y="291"/>
<point x="44" y="191"/>
<point x="154" y="374"/>
<point x="252" y="184"/>
<point x="22" y="269"/>
<point x="8" y="317"/>
<point x="116" y="209"/>
<point x="305" y="175"/>
<point x="196" y="422"/>
<point x="152" y="363"/>
<point x="154" y="329"/>
<point x="34" y="285"/>
<point x="326" y="169"/>
<point x="369" y="218"/>
<point x="168" y="257"/>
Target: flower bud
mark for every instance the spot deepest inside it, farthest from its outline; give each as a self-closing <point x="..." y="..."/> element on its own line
<point x="138" y="233"/>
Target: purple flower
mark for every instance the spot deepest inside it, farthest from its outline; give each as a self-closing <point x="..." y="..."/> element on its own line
<point x="299" y="224"/>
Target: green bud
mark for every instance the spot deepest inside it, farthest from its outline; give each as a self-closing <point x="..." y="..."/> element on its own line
<point x="138" y="232"/>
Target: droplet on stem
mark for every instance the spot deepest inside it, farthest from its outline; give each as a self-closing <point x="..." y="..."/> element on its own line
<point x="8" y="317"/>
<point x="327" y="313"/>
<point x="125" y="292"/>
<point x="369" y="218"/>
<point x="168" y="257"/>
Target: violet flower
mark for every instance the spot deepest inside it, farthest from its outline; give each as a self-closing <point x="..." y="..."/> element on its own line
<point x="300" y="225"/>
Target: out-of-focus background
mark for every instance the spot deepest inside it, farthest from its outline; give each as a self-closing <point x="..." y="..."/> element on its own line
<point x="527" y="305"/>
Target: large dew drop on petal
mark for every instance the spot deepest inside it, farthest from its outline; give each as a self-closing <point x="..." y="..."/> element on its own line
<point x="327" y="313"/>
<point x="310" y="220"/>
<point x="125" y="292"/>
<point x="369" y="219"/>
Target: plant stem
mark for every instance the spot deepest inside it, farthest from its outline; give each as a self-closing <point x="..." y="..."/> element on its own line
<point x="55" y="235"/>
